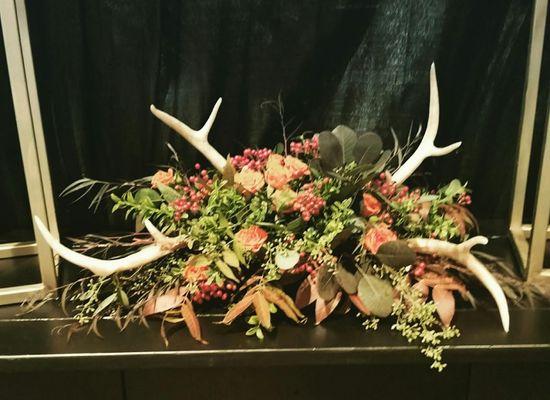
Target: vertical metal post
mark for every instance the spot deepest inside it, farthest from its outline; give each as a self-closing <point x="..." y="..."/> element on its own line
<point x="534" y="62"/>
<point x="33" y="150"/>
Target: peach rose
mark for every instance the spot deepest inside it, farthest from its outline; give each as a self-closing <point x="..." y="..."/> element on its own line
<point x="274" y="161"/>
<point x="162" y="177"/>
<point x="377" y="236"/>
<point x="370" y="205"/>
<point x="249" y="181"/>
<point x="296" y="167"/>
<point x="251" y="239"/>
<point x="195" y="273"/>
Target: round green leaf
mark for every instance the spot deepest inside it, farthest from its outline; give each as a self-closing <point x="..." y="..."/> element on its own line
<point x="376" y="294"/>
<point x="396" y="254"/>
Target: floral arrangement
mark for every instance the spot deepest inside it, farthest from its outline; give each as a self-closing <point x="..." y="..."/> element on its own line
<point x="325" y="221"/>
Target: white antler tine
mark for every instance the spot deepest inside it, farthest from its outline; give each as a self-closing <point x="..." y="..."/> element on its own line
<point x="198" y="139"/>
<point x="433" y="113"/>
<point x="157" y="235"/>
<point x="101" y="267"/>
<point x="461" y="254"/>
<point x="426" y="148"/>
<point x="205" y="130"/>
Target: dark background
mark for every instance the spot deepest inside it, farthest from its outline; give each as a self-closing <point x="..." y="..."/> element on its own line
<point x="99" y="65"/>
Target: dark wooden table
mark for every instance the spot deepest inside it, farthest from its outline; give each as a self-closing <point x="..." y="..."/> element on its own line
<point x="336" y="360"/>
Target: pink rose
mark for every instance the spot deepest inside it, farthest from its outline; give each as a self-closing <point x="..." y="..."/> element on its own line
<point x="376" y="237"/>
<point x="251" y="239"/>
<point x="249" y="181"/>
<point x="162" y="177"/>
<point x="296" y="167"/>
<point x="370" y="205"/>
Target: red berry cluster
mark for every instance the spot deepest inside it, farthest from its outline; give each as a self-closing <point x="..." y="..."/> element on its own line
<point x="419" y="269"/>
<point x="193" y="194"/>
<point x="309" y="265"/>
<point x="308" y="146"/>
<point x="465" y="199"/>
<point x="255" y="159"/>
<point x="387" y="188"/>
<point x="308" y="203"/>
<point x="207" y="292"/>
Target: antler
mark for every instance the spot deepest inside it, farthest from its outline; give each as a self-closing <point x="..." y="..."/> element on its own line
<point x="426" y="148"/>
<point x="461" y="254"/>
<point x="199" y="139"/>
<point x="161" y="247"/>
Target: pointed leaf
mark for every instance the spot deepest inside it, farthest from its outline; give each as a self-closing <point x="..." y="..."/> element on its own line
<point x="324" y="308"/>
<point x="347" y="138"/>
<point x="262" y="310"/>
<point x="230" y="258"/>
<point x="326" y="283"/>
<point x="238" y="309"/>
<point x="445" y="303"/>
<point x="306" y="293"/>
<point x="376" y="294"/>
<point x="105" y="303"/>
<point x="226" y="270"/>
<point x="192" y="321"/>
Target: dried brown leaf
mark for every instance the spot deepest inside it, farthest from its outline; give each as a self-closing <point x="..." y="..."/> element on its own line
<point x="238" y="309"/>
<point x="262" y="310"/>
<point x="192" y="321"/>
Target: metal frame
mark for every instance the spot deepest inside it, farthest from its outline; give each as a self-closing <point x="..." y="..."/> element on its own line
<point x="530" y="240"/>
<point x="13" y="18"/>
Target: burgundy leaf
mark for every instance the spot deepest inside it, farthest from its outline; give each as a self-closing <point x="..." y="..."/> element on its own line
<point x="445" y="304"/>
<point x="422" y="288"/>
<point x="324" y="308"/>
<point x="307" y="293"/>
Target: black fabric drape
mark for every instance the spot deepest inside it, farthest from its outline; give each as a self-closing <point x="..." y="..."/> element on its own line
<point x="15" y="216"/>
<point x="361" y="63"/>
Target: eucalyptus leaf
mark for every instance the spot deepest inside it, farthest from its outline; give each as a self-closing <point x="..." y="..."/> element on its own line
<point x="146" y="193"/>
<point x="347" y="138"/>
<point x="368" y="148"/>
<point x="327" y="287"/>
<point x="168" y="193"/>
<point x="396" y="254"/>
<point x="287" y="259"/>
<point x="376" y="294"/>
<point x="346" y="280"/>
<point x="330" y="151"/>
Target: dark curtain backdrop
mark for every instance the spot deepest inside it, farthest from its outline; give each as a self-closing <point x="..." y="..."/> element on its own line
<point x="15" y="213"/>
<point x="100" y="64"/>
